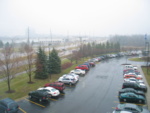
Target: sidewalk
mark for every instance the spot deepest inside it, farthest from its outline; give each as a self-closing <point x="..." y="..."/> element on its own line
<point x="148" y="88"/>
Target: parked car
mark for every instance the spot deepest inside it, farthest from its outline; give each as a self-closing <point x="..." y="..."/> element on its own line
<point x="126" y="90"/>
<point x="75" y="76"/>
<point x="57" y="85"/>
<point x="131" y="97"/>
<point x="92" y="64"/>
<point x="134" y="80"/>
<point x="134" y="86"/>
<point x="78" y="71"/>
<point x="121" y="111"/>
<point x="52" y="91"/>
<point x="132" y="76"/>
<point x="8" y="105"/>
<point x="128" y="71"/>
<point x="87" y="64"/>
<point x="83" y="67"/>
<point x="67" y="80"/>
<point x="138" y="74"/>
<point x="39" y="94"/>
<point x="131" y="108"/>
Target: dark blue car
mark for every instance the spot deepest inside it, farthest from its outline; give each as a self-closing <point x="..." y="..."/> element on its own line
<point x="8" y="105"/>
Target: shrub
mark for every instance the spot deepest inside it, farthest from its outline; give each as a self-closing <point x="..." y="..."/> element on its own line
<point x="66" y="65"/>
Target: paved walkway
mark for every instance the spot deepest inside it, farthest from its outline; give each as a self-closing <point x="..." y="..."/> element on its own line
<point x="148" y="87"/>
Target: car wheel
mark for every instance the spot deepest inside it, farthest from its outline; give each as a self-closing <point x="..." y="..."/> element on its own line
<point x="50" y="96"/>
<point x="40" y="100"/>
<point x="124" y="100"/>
<point x="140" y="101"/>
<point x="70" y="83"/>
<point x="30" y="97"/>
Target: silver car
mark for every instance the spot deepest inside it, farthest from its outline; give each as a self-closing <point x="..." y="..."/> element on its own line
<point x="67" y="80"/>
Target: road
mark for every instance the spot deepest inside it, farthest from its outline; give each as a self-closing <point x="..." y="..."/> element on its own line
<point x="96" y="92"/>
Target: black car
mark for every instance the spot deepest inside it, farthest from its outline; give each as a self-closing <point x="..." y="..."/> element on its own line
<point x="134" y="86"/>
<point x="125" y="90"/>
<point x="8" y="105"/>
<point x="39" y="94"/>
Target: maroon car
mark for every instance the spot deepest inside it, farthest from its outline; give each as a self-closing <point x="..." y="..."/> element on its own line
<point x="57" y="85"/>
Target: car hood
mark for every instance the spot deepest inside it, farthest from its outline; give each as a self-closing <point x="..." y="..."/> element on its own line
<point x="145" y="111"/>
<point x="142" y="86"/>
<point x="141" y="97"/>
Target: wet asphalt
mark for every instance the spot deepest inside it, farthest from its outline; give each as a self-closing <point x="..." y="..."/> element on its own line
<point x="96" y="92"/>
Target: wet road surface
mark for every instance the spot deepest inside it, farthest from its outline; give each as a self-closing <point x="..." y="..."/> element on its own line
<point x="96" y="92"/>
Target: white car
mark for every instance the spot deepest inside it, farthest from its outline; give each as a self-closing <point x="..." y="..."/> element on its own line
<point x="134" y="80"/>
<point x="52" y="91"/>
<point x="78" y="71"/>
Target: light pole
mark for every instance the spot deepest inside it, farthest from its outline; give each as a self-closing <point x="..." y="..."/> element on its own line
<point x="147" y="43"/>
<point x="49" y="58"/>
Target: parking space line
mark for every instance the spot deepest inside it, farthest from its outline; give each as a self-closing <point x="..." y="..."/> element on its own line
<point x="62" y="94"/>
<point x="69" y="85"/>
<point x="35" y="103"/>
<point x="53" y="99"/>
<point x="131" y="103"/>
<point x="22" y="110"/>
<point x="113" y="107"/>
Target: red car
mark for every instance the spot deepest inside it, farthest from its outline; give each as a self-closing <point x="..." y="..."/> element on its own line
<point x="92" y="64"/>
<point x="83" y="67"/>
<point x="57" y="85"/>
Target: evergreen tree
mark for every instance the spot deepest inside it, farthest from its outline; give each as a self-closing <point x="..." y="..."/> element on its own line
<point x="41" y="71"/>
<point x="54" y="63"/>
<point x="1" y="44"/>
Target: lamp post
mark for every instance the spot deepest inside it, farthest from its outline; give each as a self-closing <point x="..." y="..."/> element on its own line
<point x="147" y="44"/>
<point x="49" y="57"/>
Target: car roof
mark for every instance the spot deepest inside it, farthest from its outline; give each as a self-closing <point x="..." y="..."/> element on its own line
<point x="49" y="88"/>
<point x="7" y="101"/>
<point x="128" y="89"/>
<point x="58" y="83"/>
<point x="129" y="83"/>
<point x="129" y="105"/>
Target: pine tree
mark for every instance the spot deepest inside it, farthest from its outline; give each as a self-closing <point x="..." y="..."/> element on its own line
<point x="1" y="44"/>
<point x="54" y="63"/>
<point x="41" y="71"/>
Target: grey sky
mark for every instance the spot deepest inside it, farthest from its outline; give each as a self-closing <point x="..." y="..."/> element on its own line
<point x="84" y="17"/>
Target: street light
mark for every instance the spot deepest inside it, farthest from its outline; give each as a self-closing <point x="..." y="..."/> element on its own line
<point x="147" y="44"/>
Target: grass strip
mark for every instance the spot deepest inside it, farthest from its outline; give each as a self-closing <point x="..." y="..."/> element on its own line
<point x="147" y="75"/>
<point x="22" y="87"/>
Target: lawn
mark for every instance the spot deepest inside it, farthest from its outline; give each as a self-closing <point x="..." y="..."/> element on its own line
<point x="147" y="75"/>
<point x="136" y="59"/>
<point x="22" y="88"/>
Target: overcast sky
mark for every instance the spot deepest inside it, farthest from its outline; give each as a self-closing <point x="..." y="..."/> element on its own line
<point x="75" y="17"/>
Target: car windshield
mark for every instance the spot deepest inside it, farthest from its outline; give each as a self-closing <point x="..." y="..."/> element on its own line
<point x="137" y="109"/>
<point x="12" y="105"/>
<point x="53" y="90"/>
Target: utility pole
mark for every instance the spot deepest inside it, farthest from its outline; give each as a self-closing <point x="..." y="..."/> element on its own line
<point x="28" y="41"/>
<point x="50" y="44"/>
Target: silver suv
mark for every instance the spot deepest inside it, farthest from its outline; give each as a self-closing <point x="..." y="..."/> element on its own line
<point x="67" y="80"/>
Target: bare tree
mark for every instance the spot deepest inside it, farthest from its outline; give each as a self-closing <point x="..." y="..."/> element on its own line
<point x="29" y="53"/>
<point x="9" y="64"/>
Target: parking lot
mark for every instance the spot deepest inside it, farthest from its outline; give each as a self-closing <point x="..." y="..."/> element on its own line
<point x="96" y="92"/>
